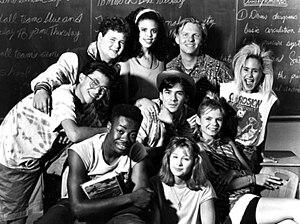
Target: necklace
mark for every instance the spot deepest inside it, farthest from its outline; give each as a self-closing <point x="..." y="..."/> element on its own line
<point x="179" y="200"/>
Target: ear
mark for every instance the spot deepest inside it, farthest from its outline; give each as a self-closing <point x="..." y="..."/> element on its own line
<point x="100" y="36"/>
<point x="177" y="38"/>
<point x="186" y="98"/>
<point x="108" y="126"/>
<point x="81" y="77"/>
<point x="198" y="120"/>
<point x="160" y="96"/>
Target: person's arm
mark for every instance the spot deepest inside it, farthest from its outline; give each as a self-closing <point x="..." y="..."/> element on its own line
<point x="124" y="80"/>
<point x="148" y="108"/>
<point x="77" y="133"/>
<point x="207" y="212"/>
<point x="83" y="208"/>
<point x="240" y="157"/>
<point x="64" y="71"/>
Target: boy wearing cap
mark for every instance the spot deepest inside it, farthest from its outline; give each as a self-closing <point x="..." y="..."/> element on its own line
<point x="175" y="88"/>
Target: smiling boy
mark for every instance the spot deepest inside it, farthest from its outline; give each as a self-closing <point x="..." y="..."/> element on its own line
<point x="108" y="46"/>
<point x="175" y="88"/>
<point x="27" y="135"/>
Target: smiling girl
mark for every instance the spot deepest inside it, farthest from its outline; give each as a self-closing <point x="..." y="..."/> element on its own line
<point x="146" y="50"/>
<point x="251" y="96"/>
<point x="233" y="180"/>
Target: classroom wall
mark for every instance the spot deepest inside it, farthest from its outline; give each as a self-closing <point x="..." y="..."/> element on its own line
<point x="283" y="135"/>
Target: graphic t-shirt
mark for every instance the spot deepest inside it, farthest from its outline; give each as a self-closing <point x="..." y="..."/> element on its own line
<point x="252" y="110"/>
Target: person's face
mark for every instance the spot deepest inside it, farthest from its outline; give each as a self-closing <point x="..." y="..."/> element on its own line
<point x="94" y="86"/>
<point x="189" y="39"/>
<point x="181" y="162"/>
<point x="210" y="123"/>
<point x="251" y="75"/>
<point x="122" y="134"/>
<point x="111" y="45"/>
<point x="174" y="98"/>
<point x="148" y="30"/>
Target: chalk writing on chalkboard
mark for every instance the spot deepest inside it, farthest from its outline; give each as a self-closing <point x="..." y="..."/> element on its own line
<point x="33" y="35"/>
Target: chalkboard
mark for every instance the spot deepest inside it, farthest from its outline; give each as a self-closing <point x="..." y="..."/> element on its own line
<point x="33" y="35"/>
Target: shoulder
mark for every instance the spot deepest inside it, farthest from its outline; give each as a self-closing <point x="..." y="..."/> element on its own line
<point x="138" y="152"/>
<point x="92" y="50"/>
<point x="209" y="190"/>
<point x="88" y="146"/>
<point x="172" y="64"/>
<point x="68" y="56"/>
<point x="124" y="66"/>
<point x="217" y="63"/>
<point x="63" y="92"/>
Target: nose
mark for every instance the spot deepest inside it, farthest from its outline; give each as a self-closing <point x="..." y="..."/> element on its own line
<point x="173" y="97"/>
<point x="116" y="45"/>
<point x="125" y="137"/>
<point x="214" y="122"/>
<point x="179" y="162"/>
<point x="191" y="38"/>
<point x="149" y="33"/>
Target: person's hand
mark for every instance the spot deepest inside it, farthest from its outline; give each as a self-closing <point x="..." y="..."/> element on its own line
<point x="268" y="181"/>
<point x="192" y="121"/>
<point x="148" y="108"/>
<point x="223" y="180"/>
<point x="142" y="198"/>
<point x="42" y="101"/>
<point x="63" y="139"/>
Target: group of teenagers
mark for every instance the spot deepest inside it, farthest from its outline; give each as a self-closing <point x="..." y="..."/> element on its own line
<point x="188" y="132"/>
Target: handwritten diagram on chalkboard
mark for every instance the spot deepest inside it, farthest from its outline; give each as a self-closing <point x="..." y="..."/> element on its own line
<point x="33" y="34"/>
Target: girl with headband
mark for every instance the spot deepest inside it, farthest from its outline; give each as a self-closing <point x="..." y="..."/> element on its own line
<point x="146" y="53"/>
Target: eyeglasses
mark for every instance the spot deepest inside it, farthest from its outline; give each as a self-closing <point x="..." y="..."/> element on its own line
<point x="103" y="90"/>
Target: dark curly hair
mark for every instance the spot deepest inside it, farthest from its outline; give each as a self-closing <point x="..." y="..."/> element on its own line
<point x="102" y="67"/>
<point x="134" y="48"/>
<point x="114" y="23"/>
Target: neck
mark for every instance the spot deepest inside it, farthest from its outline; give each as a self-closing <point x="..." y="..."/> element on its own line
<point x="103" y="58"/>
<point x="188" y="60"/>
<point x="179" y="183"/>
<point x="108" y="154"/>
<point x="78" y="93"/>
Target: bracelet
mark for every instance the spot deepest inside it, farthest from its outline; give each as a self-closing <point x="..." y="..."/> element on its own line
<point x="43" y="86"/>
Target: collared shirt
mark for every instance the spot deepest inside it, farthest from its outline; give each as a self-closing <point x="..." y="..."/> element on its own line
<point x="155" y="133"/>
<point x="207" y="73"/>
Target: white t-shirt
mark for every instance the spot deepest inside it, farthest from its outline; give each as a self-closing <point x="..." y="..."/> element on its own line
<point x="252" y="111"/>
<point x="189" y="212"/>
<point x="91" y="153"/>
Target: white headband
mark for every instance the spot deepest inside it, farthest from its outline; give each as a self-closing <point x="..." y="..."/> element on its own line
<point x="143" y="12"/>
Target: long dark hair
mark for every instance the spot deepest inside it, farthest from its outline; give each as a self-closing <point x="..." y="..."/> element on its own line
<point x="133" y="47"/>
